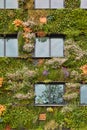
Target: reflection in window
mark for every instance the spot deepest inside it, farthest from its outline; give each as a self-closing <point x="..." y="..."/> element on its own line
<point x="42" y="47"/>
<point x="8" y="47"/>
<point x="1" y="47"/>
<point x="41" y="3"/>
<point x="83" y="4"/>
<point x="57" y="4"/>
<point x="49" y="47"/>
<point x="49" y="94"/>
<point x="11" y="47"/>
<point x="9" y="4"/>
<point x="83" y="94"/>
<point x="49" y="4"/>
<point x="1" y="4"/>
<point x="56" y="47"/>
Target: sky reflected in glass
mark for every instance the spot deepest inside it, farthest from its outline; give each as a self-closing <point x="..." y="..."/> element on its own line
<point x="57" y="4"/>
<point x="83" y="94"/>
<point x="49" y="4"/>
<point x="1" y="3"/>
<point x="12" y="4"/>
<point x="11" y="48"/>
<point x="56" y="47"/>
<point x="42" y="48"/>
<point x="41" y="3"/>
<point x="83" y="4"/>
<point x="53" y="47"/>
<point x="1" y="47"/>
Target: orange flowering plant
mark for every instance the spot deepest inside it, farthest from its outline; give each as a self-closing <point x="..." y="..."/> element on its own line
<point x="2" y="109"/>
<point x="84" y="69"/>
<point x="18" y="22"/>
<point x="22" y="26"/>
<point x="17" y="25"/>
<point x="27" y="30"/>
<point x="43" y="20"/>
<point x="42" y="116"/>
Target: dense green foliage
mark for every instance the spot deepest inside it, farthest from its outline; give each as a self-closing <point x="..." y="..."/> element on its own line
<point x="20" y="74"/>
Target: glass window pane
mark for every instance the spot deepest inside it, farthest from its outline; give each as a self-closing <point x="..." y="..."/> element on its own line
<point x="41" y="4"/>
<point x="56" y="47"/>
<point x="83" y="94"/>
<point x="1" y="4"/>
<point x="83" y="4"/>
<point x="11" y="4"/>
<point x="42" y="47"/>
<point x="11" y="47"/>
<point x="49" y="94"/>
<point x="57" y="4"/>
<point x="1" y="47"/>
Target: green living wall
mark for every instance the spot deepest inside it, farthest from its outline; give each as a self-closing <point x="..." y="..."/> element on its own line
<point x="19" y="74"/>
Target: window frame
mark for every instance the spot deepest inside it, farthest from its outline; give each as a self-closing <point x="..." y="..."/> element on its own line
<point x="50" y="6"/>
<point x="50" y="36"/>
<point x="51" y="83"/>
<point x="4" y="37"/>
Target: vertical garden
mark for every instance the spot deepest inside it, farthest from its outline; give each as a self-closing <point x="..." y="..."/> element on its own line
<point x="43" y="66"/>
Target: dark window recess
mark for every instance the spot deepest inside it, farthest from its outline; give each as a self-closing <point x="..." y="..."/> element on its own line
<point x="83" y="94"/>
<point x="46" y="4"/>
<point x="9" y="4"/>
<point x="49" y="94"/>
<point x="46" y="47"/>
<point x="66" y="129"/>
<point x="8" y="46"/>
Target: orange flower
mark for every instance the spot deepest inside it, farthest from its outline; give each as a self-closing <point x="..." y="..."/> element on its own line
<point x="84" y="69"/>
<point x="28" y="30"/>
<point x="42" y="117"/>
<point x="41" y="34"/>
<point x="8" y="127"/>
<point x="43" y="20"/>
<point x="1" y="81"/>
<point x="17" y="22"/>
<point x="2" y="109"/>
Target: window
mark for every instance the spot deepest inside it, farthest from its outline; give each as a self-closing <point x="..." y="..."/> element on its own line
<point x="49" y="94"/>
<point x="49" y="47"/>
<point x="8" y="46"/>
<point x="83" y="94"/>
<point x="8" y="4"/>
<point x="39" y="4"/>
<point x="83" y="4"/>
<point x="57" y="4"/>
<point x="1" y="3"/>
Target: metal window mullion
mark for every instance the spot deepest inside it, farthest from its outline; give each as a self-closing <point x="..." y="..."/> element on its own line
<point x="49" y="47"/>
<point x="4" y="46"/>
<point x="35" y="47"/>
<point x="4" y="4"/>
<point x="50" y="4"/>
